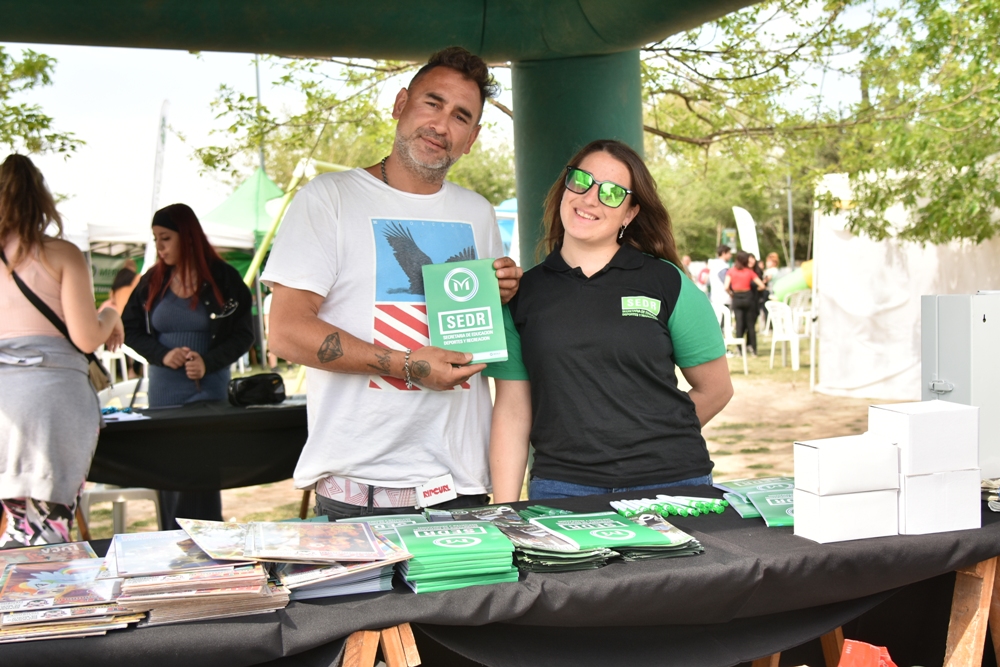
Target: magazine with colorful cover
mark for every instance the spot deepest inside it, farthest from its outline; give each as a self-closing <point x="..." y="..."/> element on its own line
<point x="385" y="524"/>
<point x="602" y="529"/>
<point x="239" y="575"/>
<point x="219" y="539"/>
<point x="321" y="542"/>
<point x="162" y="552"/>
<point x="296" y="575"/>
<point x="674" y="535"/>
<point x="62" y="614"/>
<point x="55" y="584"/>
<point x="526" y="535"/>
<point x="775" y="507"/>
<point x="43" y="554"/>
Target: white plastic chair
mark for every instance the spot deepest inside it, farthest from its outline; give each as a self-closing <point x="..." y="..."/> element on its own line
<point x="801" y="305"/>
<point x="120" y="395"/>
<point x="123" y="354"/>
<point x="783" y="331"/>
<point x="725" y="319"/>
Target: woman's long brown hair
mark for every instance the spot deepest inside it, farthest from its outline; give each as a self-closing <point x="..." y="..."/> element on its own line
<point x="650" y="231"/>
<point x="26" y="206"/>
<point x="197" y="255"/>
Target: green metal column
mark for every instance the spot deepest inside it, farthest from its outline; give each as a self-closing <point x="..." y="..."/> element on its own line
<point x="560" y="106"/>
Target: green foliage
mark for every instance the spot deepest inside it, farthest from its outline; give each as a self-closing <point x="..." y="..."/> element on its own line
<point x="763" y="89"/>
<point x="23" y="127"/>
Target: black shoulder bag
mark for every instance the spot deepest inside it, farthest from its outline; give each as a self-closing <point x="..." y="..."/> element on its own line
<point x="98" y="374"/>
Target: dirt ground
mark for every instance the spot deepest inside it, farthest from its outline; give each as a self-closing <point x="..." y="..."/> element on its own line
<point x="752" y="437"/>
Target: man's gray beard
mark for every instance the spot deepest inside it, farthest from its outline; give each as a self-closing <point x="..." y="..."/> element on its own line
<point x="426" y="173"/>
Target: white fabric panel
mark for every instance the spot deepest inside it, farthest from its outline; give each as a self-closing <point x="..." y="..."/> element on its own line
<point x="869" y="300"/>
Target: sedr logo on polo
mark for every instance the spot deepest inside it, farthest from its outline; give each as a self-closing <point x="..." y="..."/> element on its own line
<point x="612" y="534"/>
<point x="640" y="306"/>
<point x="461" y="284"/>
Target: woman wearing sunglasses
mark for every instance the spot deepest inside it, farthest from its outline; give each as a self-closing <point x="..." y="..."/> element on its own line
<point x="594" y="335"/>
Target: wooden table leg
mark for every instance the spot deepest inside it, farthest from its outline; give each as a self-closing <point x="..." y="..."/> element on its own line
<point x="995" y="615"/>
<point x="304" y="507"/>
<point x="767" y="661"/>
<point x="970" y="611"/>
<point x="833" y="645"/>
<point x="361" y="649"/>
<point x="409" y="645"/>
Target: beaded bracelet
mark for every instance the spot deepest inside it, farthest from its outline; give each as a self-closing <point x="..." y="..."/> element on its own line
<point x="406" y="370"/>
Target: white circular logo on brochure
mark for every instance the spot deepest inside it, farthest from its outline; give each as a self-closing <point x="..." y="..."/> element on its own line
<point x="461" y="284"/>
<point x="790" y="511"/>
<point x="612" y="534"/>
<point x="457" y="542"/>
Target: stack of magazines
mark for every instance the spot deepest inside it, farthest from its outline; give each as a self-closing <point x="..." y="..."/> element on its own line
<point x="309" y="559"/>
<point x="52" y="591"/>
<point x="167" y="574"/>
<point x="450" y="555"/>
<point x="538" y="550"/>
<point x="631" y="539"/>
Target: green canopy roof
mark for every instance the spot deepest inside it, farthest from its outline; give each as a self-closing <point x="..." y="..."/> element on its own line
<point x="245" y="207"/>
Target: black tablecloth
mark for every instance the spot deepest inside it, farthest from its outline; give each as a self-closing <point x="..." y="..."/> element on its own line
<point x="754" y="591"/>
<point x="203" y="446"/>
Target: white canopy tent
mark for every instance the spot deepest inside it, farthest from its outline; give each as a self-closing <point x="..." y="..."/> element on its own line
<point x="219" y="235"/>
<point x="867" y="295"/>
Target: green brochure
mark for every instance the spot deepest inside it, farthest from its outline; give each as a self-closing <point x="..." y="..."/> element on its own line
<point x="471" y="539"/>
<point x="742" y="505"/>
<point x="463" y="309"/>
<point x="603" y="529"/>
<point x="775" y="507"/>
<point x="757" y="484"/>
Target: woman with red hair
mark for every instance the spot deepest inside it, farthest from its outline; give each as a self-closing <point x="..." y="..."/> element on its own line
<point x="190" y="318"/>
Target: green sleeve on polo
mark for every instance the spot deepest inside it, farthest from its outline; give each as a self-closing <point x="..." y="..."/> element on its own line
<point x="694" y="328"/>
<point x="513" y="368"/>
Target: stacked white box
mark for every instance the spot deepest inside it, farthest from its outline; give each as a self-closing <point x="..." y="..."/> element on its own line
<point x="939" y="476"/>
<point x="846" y="488"/>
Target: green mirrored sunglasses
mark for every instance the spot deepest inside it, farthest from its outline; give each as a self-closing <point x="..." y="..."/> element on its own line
<point x="610" y="194"/>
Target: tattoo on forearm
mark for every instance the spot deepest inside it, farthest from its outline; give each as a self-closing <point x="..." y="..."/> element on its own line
<point x="383" y="362"/>
<point x="420" y="369"/>
<point x="330" y="350"/>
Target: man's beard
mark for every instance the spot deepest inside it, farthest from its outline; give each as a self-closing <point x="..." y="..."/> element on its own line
<point x="429" y="172"/>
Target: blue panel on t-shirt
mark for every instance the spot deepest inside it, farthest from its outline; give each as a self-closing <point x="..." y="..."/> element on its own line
<point x="402" y="247"/>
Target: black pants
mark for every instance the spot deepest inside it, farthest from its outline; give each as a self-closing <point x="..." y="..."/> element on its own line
<point x="745" y="310"/>
<point x="206" y="505"/>
<point x="338" y="510"/>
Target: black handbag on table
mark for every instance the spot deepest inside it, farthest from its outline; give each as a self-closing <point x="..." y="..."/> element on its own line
<point x="260" y="389"/>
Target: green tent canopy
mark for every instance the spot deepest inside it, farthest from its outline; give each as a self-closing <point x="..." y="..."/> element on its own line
<point x="245" y="207"/>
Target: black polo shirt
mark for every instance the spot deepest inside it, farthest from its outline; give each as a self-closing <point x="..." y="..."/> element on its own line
<point x="600" y="354"/>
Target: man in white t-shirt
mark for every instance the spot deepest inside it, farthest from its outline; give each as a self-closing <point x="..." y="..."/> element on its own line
<point x="393" y="422"/>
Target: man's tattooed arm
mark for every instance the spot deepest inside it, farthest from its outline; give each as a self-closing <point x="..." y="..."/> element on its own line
<point x="419" y="370"/>
<point x="331" y="349"/>
<point x="383" y="366"/>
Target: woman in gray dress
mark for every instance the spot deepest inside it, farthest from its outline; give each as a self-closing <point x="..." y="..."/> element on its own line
<point x="190" y="318"/>
<point x="49" y="415"/>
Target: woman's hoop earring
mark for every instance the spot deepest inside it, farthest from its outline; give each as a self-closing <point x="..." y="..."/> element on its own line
<point x="621" y="232"/>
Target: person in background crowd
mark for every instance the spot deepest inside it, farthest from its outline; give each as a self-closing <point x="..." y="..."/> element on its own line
<point x="348" y="299"/>
<point x="121" y="288"/>
<point x="739" y="281"/>
<point x="717" y="274"/>
<point x="759" y="295"/>
<point x="50" y="417"/>
<point x="190" y="318"/>
<point x="769" y="275"/>
<point x="594" y="337"/>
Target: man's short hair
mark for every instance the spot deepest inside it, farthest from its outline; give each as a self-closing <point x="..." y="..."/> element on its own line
<point x="722" y="250"/>
<point x="467" y="64"/>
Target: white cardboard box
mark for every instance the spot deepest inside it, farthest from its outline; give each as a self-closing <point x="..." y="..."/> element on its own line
<point x="847" y="516"/>
<point x="932" y="436"/>
<point x="939" y="502"/>
<point x="850" y="464"/>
